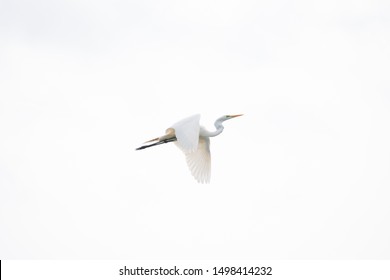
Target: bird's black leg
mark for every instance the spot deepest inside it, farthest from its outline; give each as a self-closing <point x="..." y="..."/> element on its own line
<point x="158" y="143"/>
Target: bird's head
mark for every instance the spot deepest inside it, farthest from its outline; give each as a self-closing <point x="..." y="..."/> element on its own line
<point x="228" y="117"/>
<point x="218" y="122"/>
<point x="225" y="118"/>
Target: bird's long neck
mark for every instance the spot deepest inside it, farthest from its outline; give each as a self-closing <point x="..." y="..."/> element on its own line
<point x="219" y="128"/>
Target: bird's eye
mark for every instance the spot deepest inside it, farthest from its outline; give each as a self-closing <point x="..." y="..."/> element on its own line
<point x="227" y="116"/>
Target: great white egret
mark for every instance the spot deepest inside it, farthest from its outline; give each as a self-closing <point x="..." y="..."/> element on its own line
<point x="194" y="141"/>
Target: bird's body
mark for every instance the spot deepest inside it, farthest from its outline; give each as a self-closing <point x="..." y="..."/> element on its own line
<point x="194" y="141"/>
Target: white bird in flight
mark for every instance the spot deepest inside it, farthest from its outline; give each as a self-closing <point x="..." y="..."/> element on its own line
<point x="194" y="141"/>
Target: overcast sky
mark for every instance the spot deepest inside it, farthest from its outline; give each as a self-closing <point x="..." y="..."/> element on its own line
<point x="304" y="174"/>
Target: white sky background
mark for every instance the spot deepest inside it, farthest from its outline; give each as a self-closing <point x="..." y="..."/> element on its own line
<point x="303" y="175"/>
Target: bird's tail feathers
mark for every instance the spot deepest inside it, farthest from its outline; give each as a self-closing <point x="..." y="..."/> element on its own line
<point x="152" y="140"/>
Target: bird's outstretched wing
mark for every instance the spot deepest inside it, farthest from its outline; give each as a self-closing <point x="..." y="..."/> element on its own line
<point x="195" y="148"/>
<point x="199" y="161"/>
<point x="187" y="133"/>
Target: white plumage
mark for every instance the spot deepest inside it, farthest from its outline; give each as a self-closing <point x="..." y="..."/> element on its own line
<point x="194" y="141"/>
<point x="187" y="133"/>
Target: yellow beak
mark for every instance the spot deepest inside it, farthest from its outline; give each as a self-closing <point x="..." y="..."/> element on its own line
<point x="234" y="116"/>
